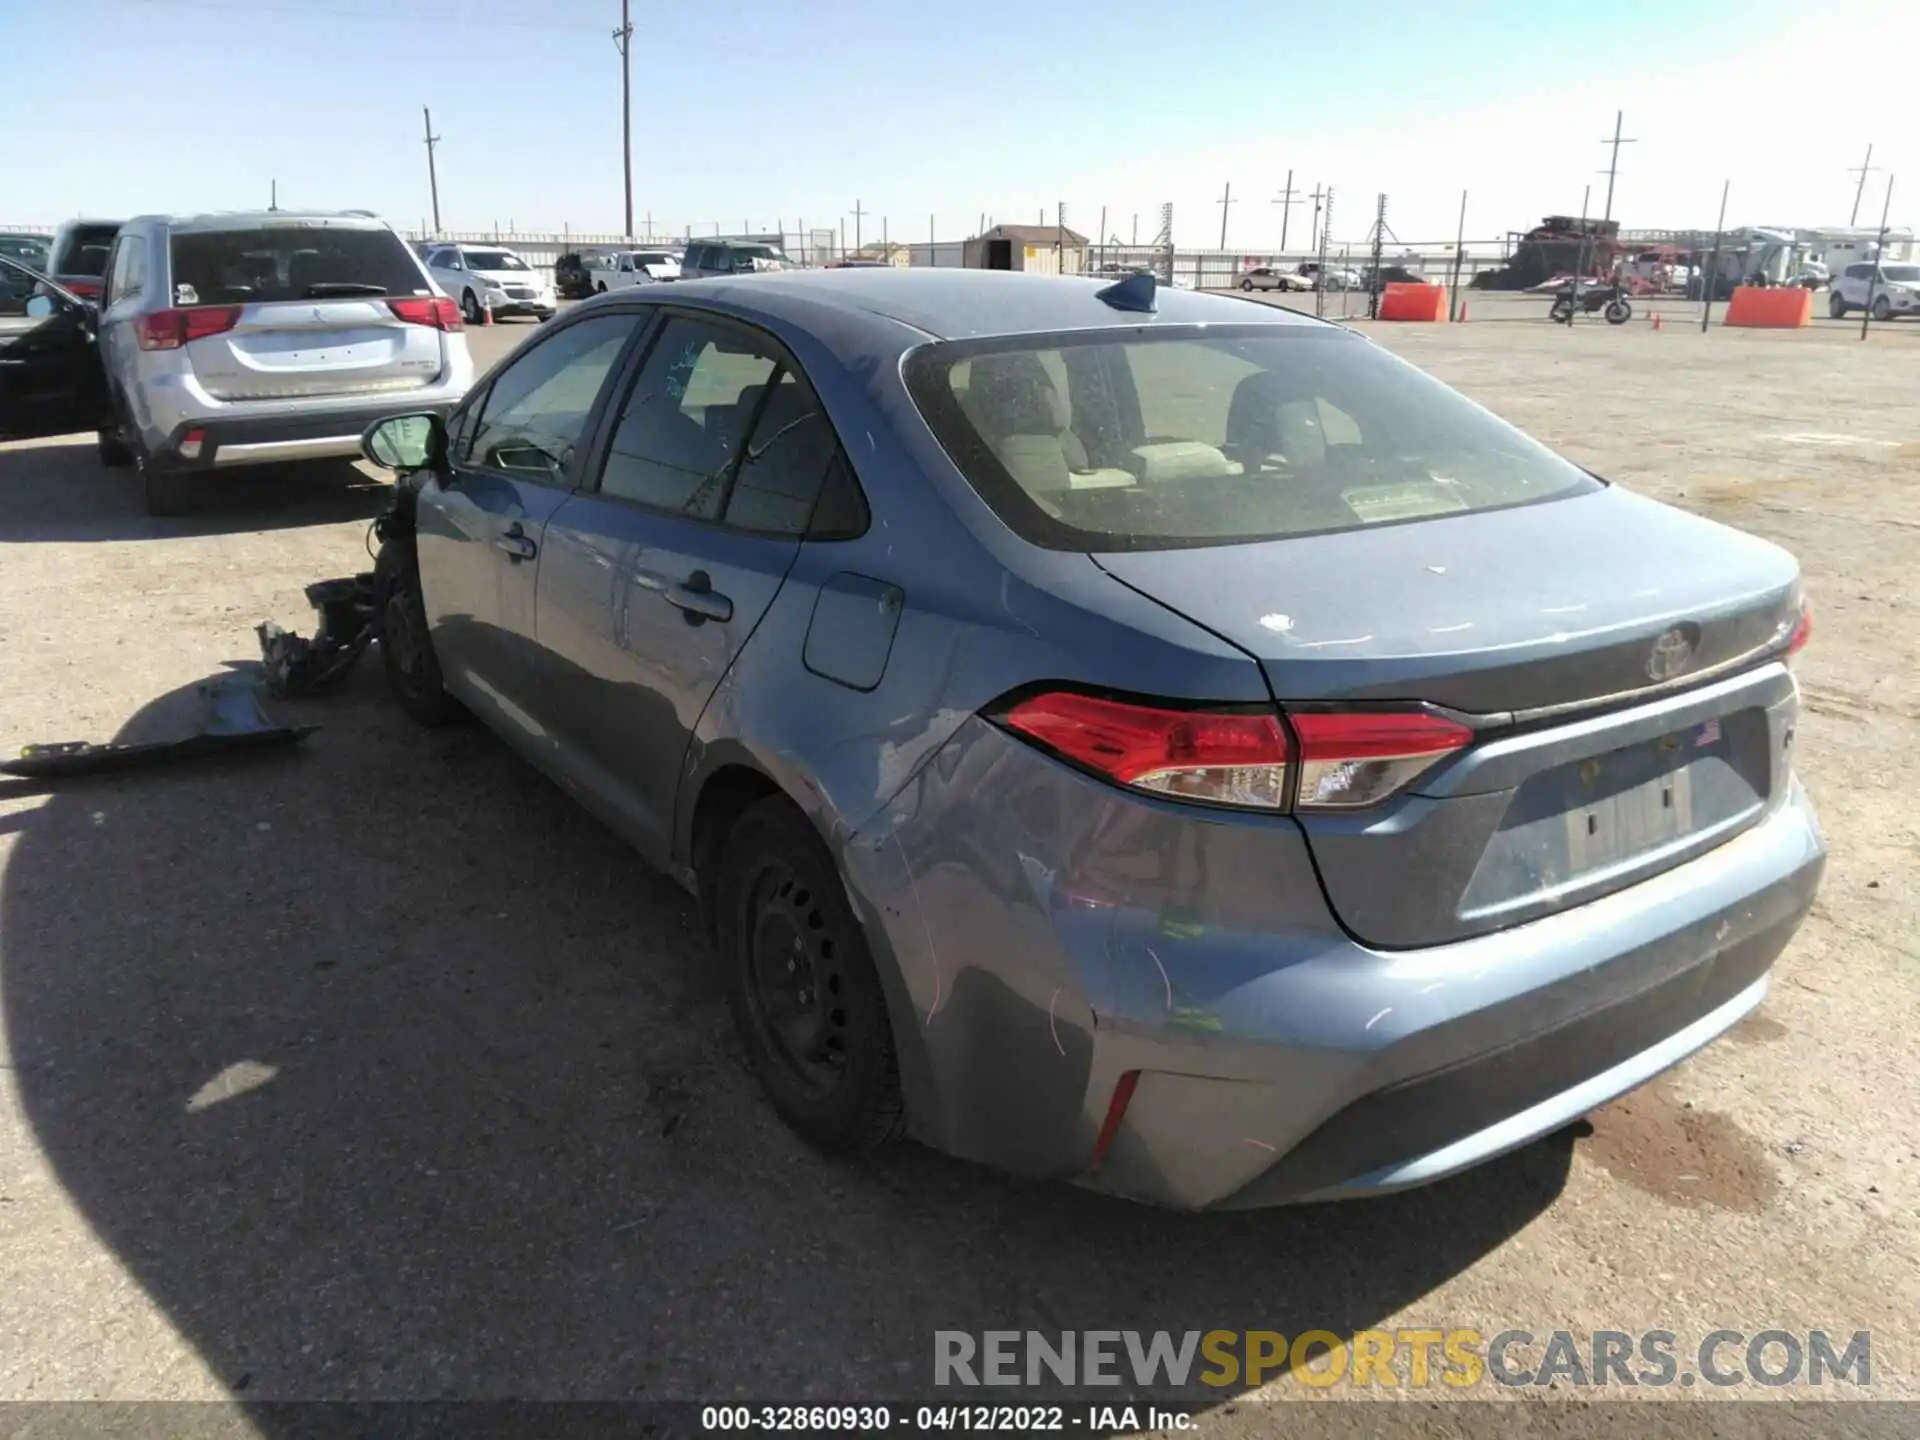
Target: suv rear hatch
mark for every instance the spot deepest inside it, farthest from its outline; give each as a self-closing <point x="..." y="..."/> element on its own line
<point x="1611" y="654"/>
<point x="305" y="309"/>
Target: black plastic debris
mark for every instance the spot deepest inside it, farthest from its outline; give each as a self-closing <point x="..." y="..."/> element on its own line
<point x="298" y="666"/>
<point x="234" y="722"/>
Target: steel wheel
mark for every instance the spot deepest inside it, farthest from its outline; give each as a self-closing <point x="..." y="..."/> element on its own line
<point x="796" y="988"/>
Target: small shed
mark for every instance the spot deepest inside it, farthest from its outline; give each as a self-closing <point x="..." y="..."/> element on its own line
<point x="1042" y="249"/>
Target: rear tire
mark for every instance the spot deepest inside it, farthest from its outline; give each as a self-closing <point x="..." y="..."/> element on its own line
<point x="166" y="489"/>
<point x="801" y="983"/>
<point x="1246" y="285"/>
<point x="406" y="642"/>
<point x="1836" y="307"/>
<point x="599" y="287"/>
<point x="1619" y="312"/>
<point x="114" y="453"/>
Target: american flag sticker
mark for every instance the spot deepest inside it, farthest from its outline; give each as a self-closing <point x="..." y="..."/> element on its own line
<point x="1709" y="734"/>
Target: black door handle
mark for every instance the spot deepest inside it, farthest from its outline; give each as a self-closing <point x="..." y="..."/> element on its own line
<point x="698" y="600"/>
<point x="516" y="545"/>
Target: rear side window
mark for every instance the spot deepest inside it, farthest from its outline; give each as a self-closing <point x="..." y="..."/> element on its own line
<point x="291" y="262"/>
<point x="84" y="250"/>
<point x="1216" y="436"/>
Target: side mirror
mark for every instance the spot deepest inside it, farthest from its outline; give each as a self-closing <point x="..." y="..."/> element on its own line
<point x="42" y="307"/>
<point x="406" y="442"/>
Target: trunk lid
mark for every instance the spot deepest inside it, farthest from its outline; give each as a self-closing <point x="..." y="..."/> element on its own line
<point x="1612" y="645"/>
<point x="316" y="348"/>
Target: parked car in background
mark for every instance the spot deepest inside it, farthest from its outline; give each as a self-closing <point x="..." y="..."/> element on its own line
<point x="18" y="281"/>
<point x="1894" y="291"/>
<point x="50" y="380"/>
<point x="622" y="268"/>
<point x="708" y="258"/>
<point x="1390" y="275"/>
<point x="927" y="627"/>
<point x="30" y="250"/>
<point x="483" y="277"/>
<point x="241" y="338"/>
<point x="1265" y="277"/>
<point x="1333" y="277"/>
<point x="78" y="255"/>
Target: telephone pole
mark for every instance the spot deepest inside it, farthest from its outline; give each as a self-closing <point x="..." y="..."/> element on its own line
<point x="623" y="40"/>
<point x="1285" y="201"/>
<point x="1863" y="169"/>
<point x="433" y="176"/>
<point x="1613" y="165"/>
<point x="1226" y="199"/>
<point x="1320" y="194"/>
<point x="857" y="213"/>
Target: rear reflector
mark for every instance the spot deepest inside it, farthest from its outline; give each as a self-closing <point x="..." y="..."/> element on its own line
<point x="1246" y="758"/>
<point x="1351" y="758"/>
<point x="1116" y="1112"/>
<point x="1221" y="758"/>
<point x="170" y="329"/>
<point x="434" y="310"/>
<point x="190" y="444"/>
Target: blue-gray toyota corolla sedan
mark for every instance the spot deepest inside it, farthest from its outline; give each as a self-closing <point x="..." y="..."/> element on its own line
<point x="1158" y="741"/>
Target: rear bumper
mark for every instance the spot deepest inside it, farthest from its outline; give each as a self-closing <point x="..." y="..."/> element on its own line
<point x="1033" y="965"/>
<point x="278" y="439"/>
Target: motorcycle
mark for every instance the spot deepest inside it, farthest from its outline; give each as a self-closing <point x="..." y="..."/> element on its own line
<point x="1608" y="298"/>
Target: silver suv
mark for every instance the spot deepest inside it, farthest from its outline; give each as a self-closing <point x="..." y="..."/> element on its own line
<point x="237" y="339"/>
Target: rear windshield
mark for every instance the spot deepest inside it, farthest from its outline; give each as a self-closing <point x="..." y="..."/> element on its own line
<point x="493" y="260"/>
<point x="26" y="249"/>
<point x="1216" y="436"/>
<point x="291" y="262"/>
<point x="83" y="250"/>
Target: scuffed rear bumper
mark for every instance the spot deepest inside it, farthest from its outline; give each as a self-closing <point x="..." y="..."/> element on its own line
<point x="1042" y="935"/>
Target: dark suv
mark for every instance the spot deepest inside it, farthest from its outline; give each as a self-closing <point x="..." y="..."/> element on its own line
<point x="706" y="258"/>
<point x="78" y="255"/>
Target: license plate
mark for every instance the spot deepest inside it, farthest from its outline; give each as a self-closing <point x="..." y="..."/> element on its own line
<point x="1642" y="798"/>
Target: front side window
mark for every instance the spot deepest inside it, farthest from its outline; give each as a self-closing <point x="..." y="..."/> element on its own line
<point x="1170" y="439"/>
<point x="536" y="410"/>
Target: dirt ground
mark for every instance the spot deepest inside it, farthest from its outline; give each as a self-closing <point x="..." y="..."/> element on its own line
<point x="380" y="1071"/>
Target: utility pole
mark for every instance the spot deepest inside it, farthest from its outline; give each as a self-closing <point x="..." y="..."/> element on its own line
<point x="1226" y="199"/>
<point x="1862" y="170"/>
<point x="1866" y="312"/>
<point x="857" y="213"/>
<point x="1320" y="193"/>
<point x="1710" y="282"/>
<point x="273" y="203"/>
<point x="1285" y="201"/>
<point x="433" y="176"/>
<point x="1613" y="165"/>
<point x="623" y="39"/>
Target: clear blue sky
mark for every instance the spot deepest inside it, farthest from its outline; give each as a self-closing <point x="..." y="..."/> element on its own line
<point x="754" y="111"/>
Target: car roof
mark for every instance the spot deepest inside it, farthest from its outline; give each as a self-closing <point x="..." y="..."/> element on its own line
<point x="956" y="304"/>
<point x="247" y="219"/>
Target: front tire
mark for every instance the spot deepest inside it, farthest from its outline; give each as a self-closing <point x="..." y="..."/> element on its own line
<point x="599" y="287"/>
<point x="406" y="643"/>
<point x="1836" y="307"/>
<point x="1882" y="309"/>
<point x="801" y="983"/>
<point x="1246" y="285"/>
<point x="470" y="308"/>
<point x="1561" y="312"/>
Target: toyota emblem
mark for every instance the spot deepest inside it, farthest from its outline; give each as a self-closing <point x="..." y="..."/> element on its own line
<point x="1671" y="654"/>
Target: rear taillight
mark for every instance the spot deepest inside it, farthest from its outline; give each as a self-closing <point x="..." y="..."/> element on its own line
<point x="1338" y="760"/>
<point x="85" y="289"/>
<point x="434" y="310"/>
<point x="1802" y="630"/>
<point x="1356" y="757"/>
<point x="170" y="329"/>
<point x="1224" y="758"/>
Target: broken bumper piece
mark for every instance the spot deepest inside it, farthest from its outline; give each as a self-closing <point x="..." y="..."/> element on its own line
<point x="297" y="666"/>
<point x="234" y="722"/>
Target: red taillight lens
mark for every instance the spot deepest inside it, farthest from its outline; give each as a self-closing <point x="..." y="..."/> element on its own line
<point x="1116" y="1112"/>
<point x="85" y="289"/>
<point x="1802" y="630"/>
<point x="435" y="310"/>
<point x="170" y="329"/>
<point x="1208" y="755"/>
<point x="1353" y="758"/>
